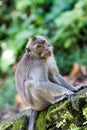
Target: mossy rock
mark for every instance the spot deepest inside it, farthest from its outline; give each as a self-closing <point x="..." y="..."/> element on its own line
<point x="61" y="116"/>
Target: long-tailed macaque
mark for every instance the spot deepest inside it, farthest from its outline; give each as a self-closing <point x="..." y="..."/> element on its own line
<point x="38" y="80"/>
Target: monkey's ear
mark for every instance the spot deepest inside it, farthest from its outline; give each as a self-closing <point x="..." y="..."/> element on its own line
<point x="43" y="41"/>
<point x="33" y="38"/>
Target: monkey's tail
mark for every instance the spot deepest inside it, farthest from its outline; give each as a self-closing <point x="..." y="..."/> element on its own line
<point x="33" y="115"/>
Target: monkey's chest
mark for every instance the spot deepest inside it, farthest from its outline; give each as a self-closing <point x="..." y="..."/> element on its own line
<point x="39" y="73"/>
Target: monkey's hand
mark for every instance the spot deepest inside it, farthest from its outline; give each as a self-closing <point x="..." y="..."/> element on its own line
<point x="73" y="97"/>
<point x="81" y="87"/>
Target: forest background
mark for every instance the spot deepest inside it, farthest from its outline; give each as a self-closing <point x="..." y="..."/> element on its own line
<point x="63" y="22"/>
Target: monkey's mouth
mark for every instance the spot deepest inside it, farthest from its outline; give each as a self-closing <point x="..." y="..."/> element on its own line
<point x="47" y="53"/>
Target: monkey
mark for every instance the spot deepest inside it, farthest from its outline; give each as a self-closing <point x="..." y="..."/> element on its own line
<point x="38" y="80"/>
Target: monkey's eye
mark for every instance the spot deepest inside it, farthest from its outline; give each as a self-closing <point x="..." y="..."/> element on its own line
<point x="39" y="46"/>
<point x="43" y="42"/>
<point x="49" y="45"/>
<point x="34" y="43"/>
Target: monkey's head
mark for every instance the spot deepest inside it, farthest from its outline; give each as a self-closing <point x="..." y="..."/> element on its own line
<point x="39" y="46"/>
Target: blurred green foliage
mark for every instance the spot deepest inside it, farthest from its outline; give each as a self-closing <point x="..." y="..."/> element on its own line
<point x="63" y="22"/>
<point x="7" y="94"/>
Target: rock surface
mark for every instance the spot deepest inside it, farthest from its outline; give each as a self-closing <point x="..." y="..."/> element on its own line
<point x="61" y="116"/>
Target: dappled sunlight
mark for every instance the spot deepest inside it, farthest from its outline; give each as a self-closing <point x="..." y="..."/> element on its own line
<point x="8" y="54"/>
<point x="7" y="59"/>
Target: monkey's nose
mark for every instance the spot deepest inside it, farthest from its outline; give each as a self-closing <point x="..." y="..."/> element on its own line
<point x="27" y="49"/>
<point x="46" y="49"/>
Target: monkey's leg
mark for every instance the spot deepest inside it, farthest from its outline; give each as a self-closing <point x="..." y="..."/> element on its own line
<point x="33" y="115"/>
<point x="48" y="87"/>
<point x="54" y="88"/>
<point x="63" y="93"/>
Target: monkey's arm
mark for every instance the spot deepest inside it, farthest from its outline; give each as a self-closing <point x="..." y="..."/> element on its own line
<point x="58" y="78"/>
<point x="70" y="86"/>
<point x="55" y="76"/>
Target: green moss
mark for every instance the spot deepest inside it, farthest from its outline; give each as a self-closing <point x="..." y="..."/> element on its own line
<point x="58" y="116"/>
<point x="21" y="124"/>
<point x="85" y="112"/>
<point x="85" y="128"/>
<point x="7" y="126"/>
<point x="74" y="127"/>
<point x="41" y="121"/>
<point x="55" y="110"/>
<point x="67" y="116"/>
<point x="18" y="125"/>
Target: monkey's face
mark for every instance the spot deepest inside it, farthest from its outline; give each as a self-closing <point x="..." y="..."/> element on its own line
<point x="39" y="47"/>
